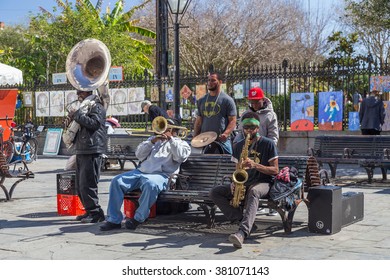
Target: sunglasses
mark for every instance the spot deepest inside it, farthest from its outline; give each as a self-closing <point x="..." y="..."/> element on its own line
<point x="251" y="127"/>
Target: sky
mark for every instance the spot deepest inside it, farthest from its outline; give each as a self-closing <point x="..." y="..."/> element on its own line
<point x="17" y="11"/>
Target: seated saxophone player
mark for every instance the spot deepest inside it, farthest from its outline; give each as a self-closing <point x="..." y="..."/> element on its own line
<point x="257" y="156"/>
<point x="160" y="156"/>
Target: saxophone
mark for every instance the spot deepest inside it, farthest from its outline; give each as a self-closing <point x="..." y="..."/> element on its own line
<point x="240" y="176"/>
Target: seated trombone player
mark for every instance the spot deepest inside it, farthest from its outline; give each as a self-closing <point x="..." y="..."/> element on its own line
<point x="160" y="156"/>
<point x="257" y="161"/>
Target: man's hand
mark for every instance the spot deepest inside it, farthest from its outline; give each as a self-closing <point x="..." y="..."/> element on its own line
<point x="223" y="137"/>
<point x="67" y="120"/>
<point x="232" y="187"/>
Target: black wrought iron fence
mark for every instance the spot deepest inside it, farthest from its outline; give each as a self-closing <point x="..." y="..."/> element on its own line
<point x="278" y="82"/>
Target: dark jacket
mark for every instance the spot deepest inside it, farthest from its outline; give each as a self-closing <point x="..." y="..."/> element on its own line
<point x="155" y="111"/>
<point x="372" y="113"/>
<point x="92" y="136"/>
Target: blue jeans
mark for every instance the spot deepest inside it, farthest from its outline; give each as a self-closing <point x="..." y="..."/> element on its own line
<point x="227" y="146"/>
<point x="150" y="185"/>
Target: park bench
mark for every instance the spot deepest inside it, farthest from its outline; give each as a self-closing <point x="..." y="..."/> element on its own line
<point x="17" y="169"/>
<point x="121" y="148"/>
<point x="200" y="173"/>
<point x="365" y="151"/>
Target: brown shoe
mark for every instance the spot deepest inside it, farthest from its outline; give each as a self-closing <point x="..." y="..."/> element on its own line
<point x="237" y="239"/>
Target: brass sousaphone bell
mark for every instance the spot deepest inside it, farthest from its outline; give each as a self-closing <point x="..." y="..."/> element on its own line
<point x="87" y="67"/>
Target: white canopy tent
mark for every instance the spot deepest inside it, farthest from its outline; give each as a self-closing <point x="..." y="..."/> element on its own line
<point x="10" y="75"/>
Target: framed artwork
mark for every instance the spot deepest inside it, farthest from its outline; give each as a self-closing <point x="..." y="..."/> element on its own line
<point x="154" y="94"/>
<point x="42" y="103"/>
<point x="135" y="97"/>
<point x="53" y="141"/>
<point x="27" y="99"/>
<point x="330" y="110"/>
<point x="380" y="83"/>
<point x="302" y="111"/>
<point x="169" y="94"/>
<point x="56" y="102"/>
<point x="118" y="101"/>
<point x="353" y="121"/>
<point x="200" y="91"/>
<point x="386" y="125"/>
<point x="238" y="90"/>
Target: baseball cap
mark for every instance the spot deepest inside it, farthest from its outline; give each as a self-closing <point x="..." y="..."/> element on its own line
<point x="144" y="103"/>
<point x="255" y="93"/>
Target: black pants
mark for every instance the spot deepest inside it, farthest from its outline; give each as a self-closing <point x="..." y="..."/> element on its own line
<point x="370" y="132"/>
<point x="87" y="179"/>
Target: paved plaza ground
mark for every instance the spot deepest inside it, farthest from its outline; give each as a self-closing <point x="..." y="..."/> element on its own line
<point x="31" y="229"/>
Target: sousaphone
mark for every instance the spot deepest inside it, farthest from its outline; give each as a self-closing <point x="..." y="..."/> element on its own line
<point x="87" y="67"/>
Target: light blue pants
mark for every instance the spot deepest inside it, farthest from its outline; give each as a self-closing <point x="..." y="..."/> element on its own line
<point x="227" y="146"/>
<point x="150" y="185"/>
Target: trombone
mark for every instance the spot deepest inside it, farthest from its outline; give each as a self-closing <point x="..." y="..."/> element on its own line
<point x="160" y="125"/>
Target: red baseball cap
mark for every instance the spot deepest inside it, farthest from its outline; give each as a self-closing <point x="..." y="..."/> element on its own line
<point x="255" y="93"/>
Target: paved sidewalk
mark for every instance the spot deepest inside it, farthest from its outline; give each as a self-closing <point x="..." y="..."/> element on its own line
<point x="30" y="228"/>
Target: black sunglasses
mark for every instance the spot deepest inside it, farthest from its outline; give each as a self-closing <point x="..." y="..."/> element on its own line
<point x="251" y="127"/>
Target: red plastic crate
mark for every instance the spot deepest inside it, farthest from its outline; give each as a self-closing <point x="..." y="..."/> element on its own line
<point x="130" y="207"/>
<point x="69" y="205"/>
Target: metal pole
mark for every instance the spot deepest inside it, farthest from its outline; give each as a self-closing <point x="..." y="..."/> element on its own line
<point x="176" y="82"/>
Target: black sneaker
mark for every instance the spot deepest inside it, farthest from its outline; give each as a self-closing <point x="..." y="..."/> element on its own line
<point x="109" y="226"/>
<point x="80" y="217"/>
<point x="94" y="218"/>
<point x="132" y="224"/>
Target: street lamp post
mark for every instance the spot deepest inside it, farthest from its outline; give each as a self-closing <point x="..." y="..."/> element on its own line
<point x="177" y="9"/>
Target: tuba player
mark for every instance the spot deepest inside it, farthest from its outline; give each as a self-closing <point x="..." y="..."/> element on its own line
<point x="261" y="164"/>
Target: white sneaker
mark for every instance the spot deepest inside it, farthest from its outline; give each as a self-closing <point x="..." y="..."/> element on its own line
<point x="272" y="212"/>
<point x="261" y="211"/>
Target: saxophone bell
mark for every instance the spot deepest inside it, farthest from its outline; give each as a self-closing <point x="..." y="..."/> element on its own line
<point x="240" y="176"/>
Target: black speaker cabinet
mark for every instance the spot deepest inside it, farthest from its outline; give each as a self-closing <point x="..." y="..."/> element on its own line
<point x="325" y="209"/>
<point x="352" y="208"/>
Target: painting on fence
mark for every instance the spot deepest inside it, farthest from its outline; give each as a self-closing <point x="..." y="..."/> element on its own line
<point x="353" y="121"/>
<point x="169" y="94"/>
<point x="302" y="111"/>
<point x="330" y="110"/>
<point x="56" y="102"/>
<point x="380" y="83"/>
<point x="238" y="90"/>
<point x="71" y="101"/>
<point x="154" y="95"/>
<point x="135" y="97"/>
<point x="42" y="103"/>
<point x="386" y="125"/>
<point x="185" y="94"/>
<point x="200" y="91"/>
<point x="118" y="101"/>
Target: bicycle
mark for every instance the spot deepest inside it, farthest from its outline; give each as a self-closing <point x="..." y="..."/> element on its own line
<point x="25" y="146"/>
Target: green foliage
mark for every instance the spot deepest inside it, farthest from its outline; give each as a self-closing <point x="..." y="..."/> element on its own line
<point x="370" y="13"/>
<point x="42" y="48"/>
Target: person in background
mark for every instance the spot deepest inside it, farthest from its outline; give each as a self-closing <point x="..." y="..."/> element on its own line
<point x="372" y="114"/>
<point x="90" y="144"/>
<point x="262" y="106"/>
<point x="268" y="119"/>
<point x="111" y="124"/>
<point x="357" y="100"/>
<point x="153" y="110"/>
<point x="160" y="156"/>
<point x="261" y="164"/>
<point x="216" y="112"/>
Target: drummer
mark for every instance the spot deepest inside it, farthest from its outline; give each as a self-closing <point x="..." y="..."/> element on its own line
<point x="216" y="112"/>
